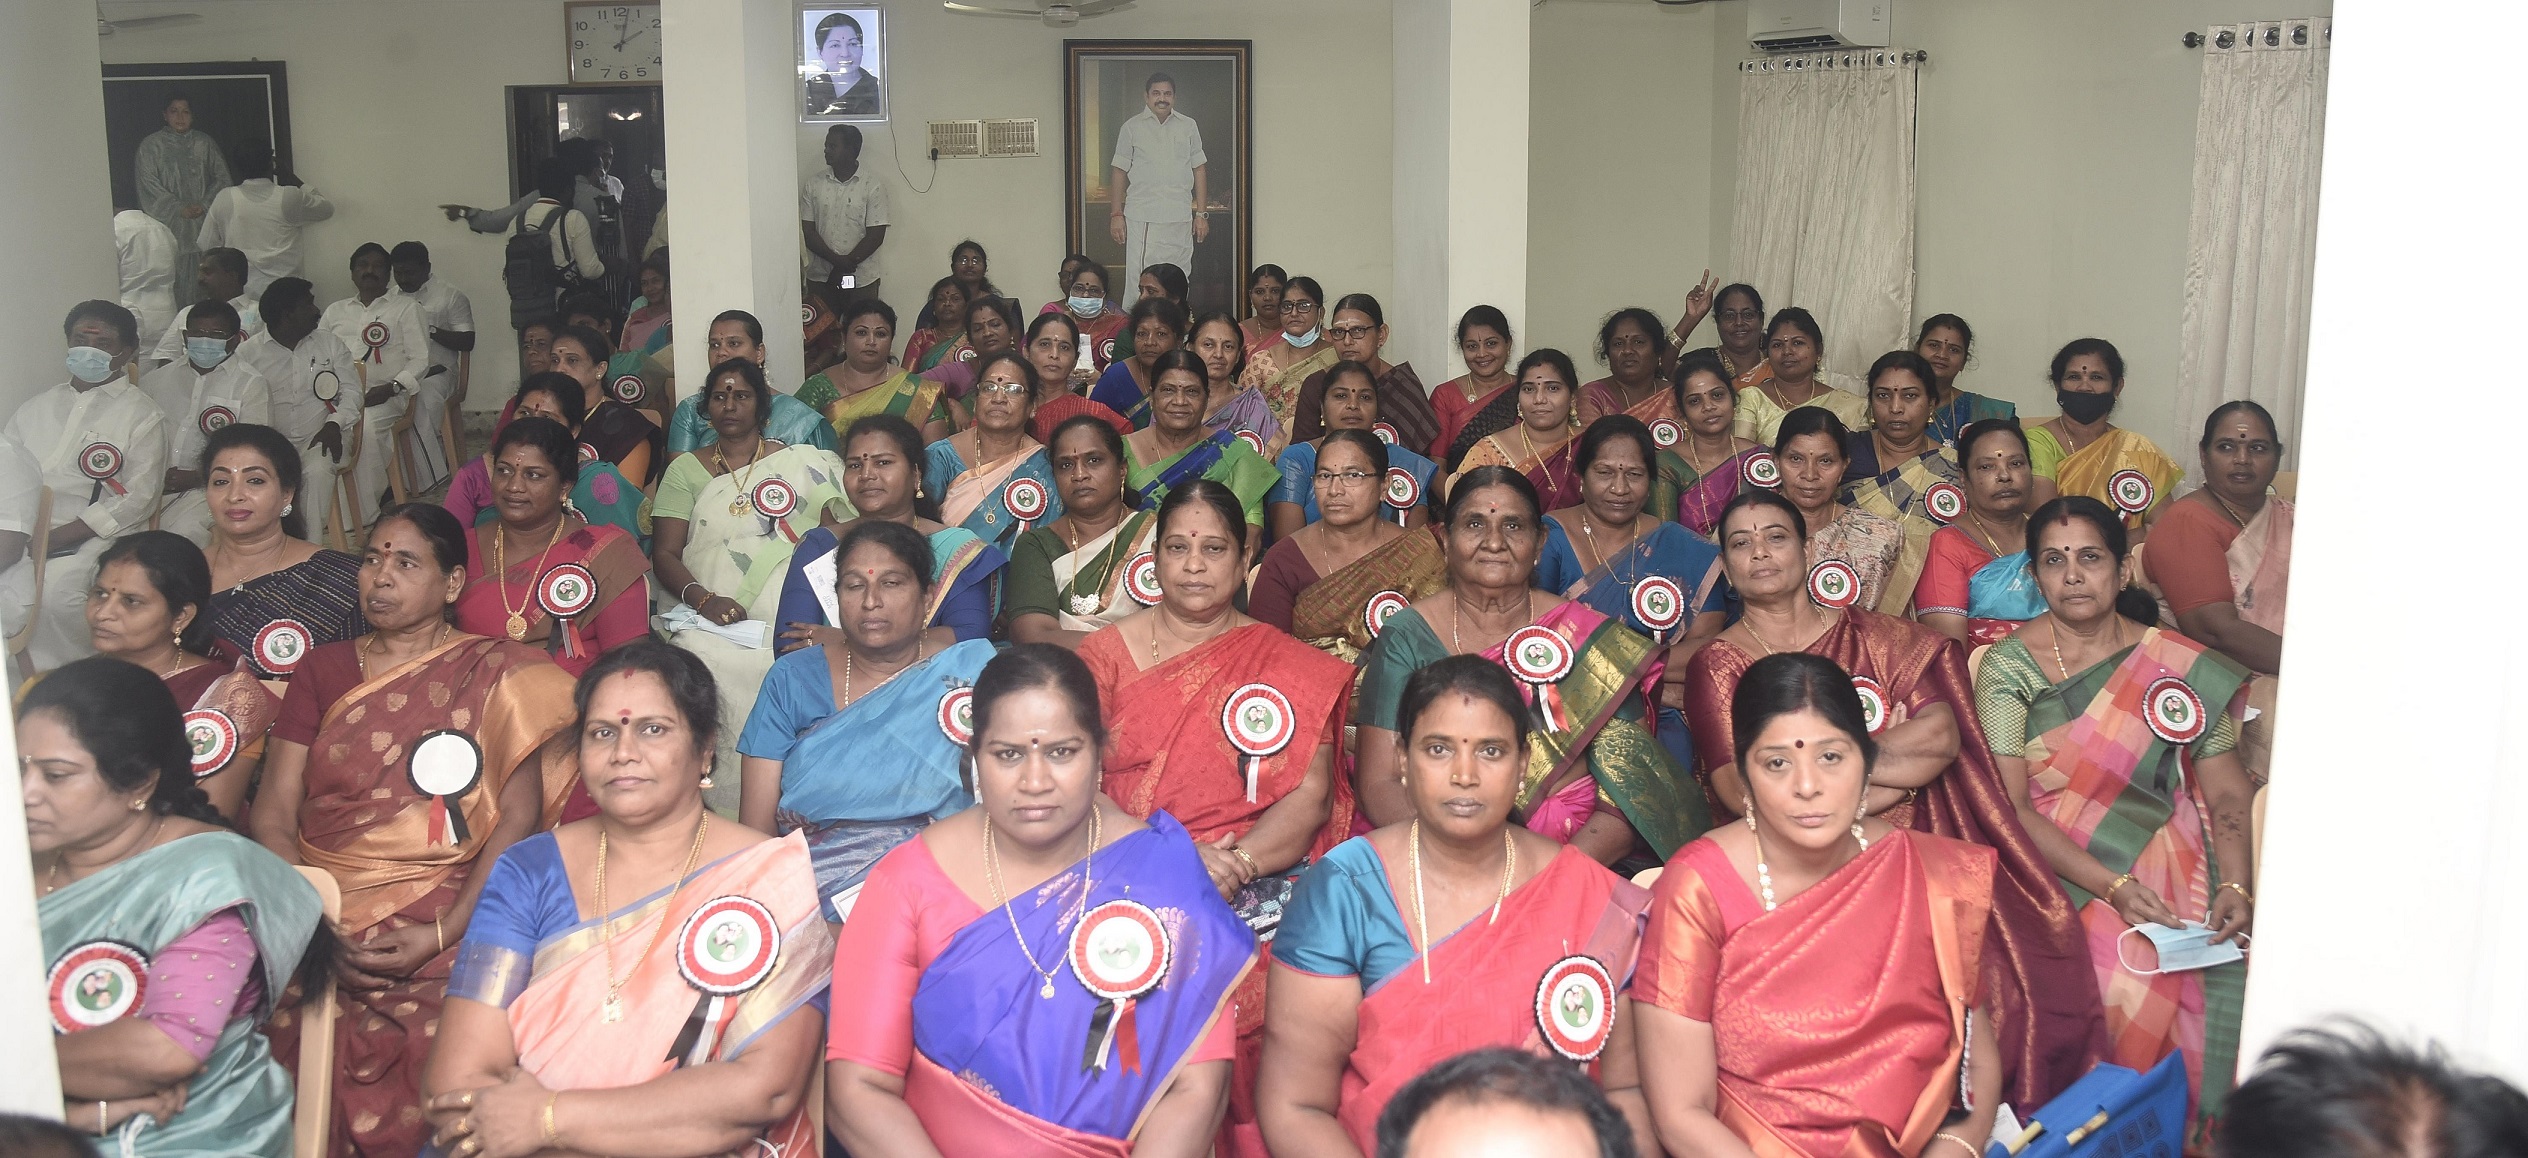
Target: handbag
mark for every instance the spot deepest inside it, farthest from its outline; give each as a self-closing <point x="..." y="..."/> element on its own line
<point x="2111" y="1112"/>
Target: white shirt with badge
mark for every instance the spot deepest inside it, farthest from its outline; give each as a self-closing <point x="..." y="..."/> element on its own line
<point x="389" y="335"/>
<point x="62" y="425"/>
<point x="170" y="347"/>
<point x="443" y="308"/>
<point x="194" y="403"/>
<point x="298" y="378"/>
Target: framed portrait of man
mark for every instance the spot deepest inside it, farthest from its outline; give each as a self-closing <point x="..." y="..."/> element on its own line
<point x="1155" y="143"/>
<point x="842" y="64"/>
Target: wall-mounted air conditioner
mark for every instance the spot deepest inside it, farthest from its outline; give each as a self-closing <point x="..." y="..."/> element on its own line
<point x="1807" y="25"/>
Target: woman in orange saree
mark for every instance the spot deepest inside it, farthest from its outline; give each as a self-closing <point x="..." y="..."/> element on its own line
<point x="544" y="1047"/>
<point x="403" y="763"/>
<point x="1812" y="983"/>
<point x="1232" y="727"/>
<point x="1632" y="346"/>
<point x="2221" y="561"/>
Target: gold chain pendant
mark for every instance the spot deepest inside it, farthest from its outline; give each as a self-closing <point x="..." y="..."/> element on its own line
<point x="517" y="625"/>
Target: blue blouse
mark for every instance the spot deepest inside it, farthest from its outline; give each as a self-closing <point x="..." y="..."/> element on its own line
<point x="1342" y="920"/>
<point x="1299" y="477"/>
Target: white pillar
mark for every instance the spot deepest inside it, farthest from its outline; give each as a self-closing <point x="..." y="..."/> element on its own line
<point x="732" y="159"/>
<point x="2394" y="859"/>
<point x="1461" y="108"/>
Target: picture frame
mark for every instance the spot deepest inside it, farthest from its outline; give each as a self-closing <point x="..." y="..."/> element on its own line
<point x="235" y="102"/>
<point x="825" y="48"/>
<point x="1106" y="87"/>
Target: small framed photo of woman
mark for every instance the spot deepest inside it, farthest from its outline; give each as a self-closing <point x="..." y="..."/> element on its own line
<point x="842" y="62"/>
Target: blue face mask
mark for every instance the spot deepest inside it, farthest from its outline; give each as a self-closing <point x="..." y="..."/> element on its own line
<point x="89" y="364"/>
<point x="205" y="353"/>
<point x="2182" y="950"/>
<point x="1303" y="341"/>
<point x="1087" y="307"/>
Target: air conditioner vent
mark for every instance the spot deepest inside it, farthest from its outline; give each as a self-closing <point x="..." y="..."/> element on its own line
<point x="956" y="138"/>
<point x="1010" y="138"/>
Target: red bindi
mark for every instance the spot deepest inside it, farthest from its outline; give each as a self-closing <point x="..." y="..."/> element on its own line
<point x="1799" y="743"/>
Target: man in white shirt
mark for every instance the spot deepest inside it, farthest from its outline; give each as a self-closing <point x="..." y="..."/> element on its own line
<point x="1159" y="186"/>
<point x="263" y="218"/>
<point x="221" y="277"/>
<point x="843" y="218"/>
<point x="392" y="342"/>
<point x="21" y="489"/>
<point x="303" y="365"/>
<point x="145" y="258"/>
<point x="206" y="391"/>
<point x="102" y="447"/>
<point x="450" y="316"/>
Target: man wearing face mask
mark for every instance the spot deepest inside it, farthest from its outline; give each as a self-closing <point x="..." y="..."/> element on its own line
<point x="102" y="445"/>
<point x="209" y="389"/>
<point x="220" y="277"/>
<point x="302" y="365"/>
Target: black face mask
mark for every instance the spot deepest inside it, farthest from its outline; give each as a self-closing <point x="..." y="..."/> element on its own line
<point x="2083" y="408"/>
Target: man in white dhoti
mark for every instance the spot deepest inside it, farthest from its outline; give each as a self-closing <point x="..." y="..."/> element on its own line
<point x="1159" y="186"/>
<point x="392" y="341"/>
<point x="178" y="171"/>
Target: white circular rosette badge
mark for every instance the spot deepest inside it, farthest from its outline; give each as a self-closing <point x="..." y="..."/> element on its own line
<point x="374" y="335"/>
<point x="726" y="948"/>
<point x="1575" y="1008"/>
<point x="626" y="389"/>
<point x="2131" y="491"/>
<point x="327" y="387"/>
<point x="1026" y="499"/>
<point x="211" y="737"/>
<point x="1106" y="351"/>
<point x="2173" y="710"/>
<point x="1386" y="434"/>
<point x="1540" y="659"/>
<point x="1833" y="583"/>
<point x="1659" y="604"/>
<point x="956" y="716"/>
<point x="96" y="984"/>
<point x="1400" y="489"/>
<point x="1873" y="703"/>
<point x="1945" y="502"/>
<point x="1141" y="579"/>
<point x="1119" y="951"/>
<point x="1260" y="722"/>
<point x="567" y="590"/>
<point x="1381" y="608"/>
<point x="1253" y="441"/>
<point x="445" y="765"/>
<point x="1762" y="469"/>
<point x="1666" y="433"/>
<point x="101" y="461"/>
<point x="281" y="645"/>
<point x="215" y="419"/>
<point x="807" y="314"/>
<point x="774" y="499"/>
<point x="587" y="454"/>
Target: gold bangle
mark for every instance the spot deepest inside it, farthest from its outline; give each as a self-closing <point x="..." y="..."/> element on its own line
<point x="1251" y="866"/>
<point x="2109" y="895"/>
<point x="101" y="1127"/>
<point x="440" y="934"/>
<point x="552" y="1133"/>
<point x="2241" y="890"/>
<point x="1958" y="1140"/>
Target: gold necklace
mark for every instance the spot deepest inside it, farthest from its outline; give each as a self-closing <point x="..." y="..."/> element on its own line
<point x="918" y="647"/>
<point x="1456" y="616"/>
<point x="500" y="575"/>
<point x="2056" y="639"/>
<point x="612" y="1009"/>
<point x="1088" y="878"/>
<point x="1551" y="487"/>
<point x="2227" y="509"/>
<point x="1631" y="533"/>
<point x="362" y="654"/>
<point x="737" y="505"/>
<point x="1421" y="920"/>
<point x="1154" y="640"/>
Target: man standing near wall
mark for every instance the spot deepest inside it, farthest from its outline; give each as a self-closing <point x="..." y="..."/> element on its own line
<point x="1159" y="186"/>
<point x="843" y="219"/>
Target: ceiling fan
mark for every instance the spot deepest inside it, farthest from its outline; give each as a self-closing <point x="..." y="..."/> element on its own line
<point x="1055" y="15"/>
<point x="107" y="27"/>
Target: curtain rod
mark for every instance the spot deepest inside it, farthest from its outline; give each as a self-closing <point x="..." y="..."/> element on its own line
<point x="2228" y="38"/>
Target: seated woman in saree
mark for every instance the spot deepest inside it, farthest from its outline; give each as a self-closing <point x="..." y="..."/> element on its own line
<point x="883" y="479"/>
<point x="1932" y="774"/>
<point x="951" y="1038"/>
<point x="1870" y="938"/>
<point x="1539" y="444"/>
<point x="1810" y="452"/>
<point x="1615" y="554"/>
<point x="727" y="522"/>
<point x="1358" y="329"/>
<point x="1737" y="314"/>
<point x="1333" y="582"/>
<point x="992" y="478"/>
<point x="1053" y="348"/>
<point x="366" y="781"/>
<point x="1278" y="369"/>
<point x="991" y="327"/>
<point x="1092" y="308"/>
<point x="1894" y="469"/>
<point x="1157" y="326"/>
<point x="1358" y="986"/>
<point x="1795" y="351"/>
<point x="857" y="743"/>
<point x="1948" y="344"/>
<point x="1976" y="587"/>
<point x="540" y="573"/>
<point x="648" y="327"/>
<point x="544" y="1048"/>
<point x="2221" y="561"/>
<point x="1483" y="343"/>
<point x="1236" y="409"/>
<point x="941" y="333"/>
<point x="1164" y="280"/>
<point x="1067" y="578"/>
<point x="868" y="381"/>
<point x="621" y="435"/>
<point x="597" y="490"/>
<point x="168" y="937"/>
<point x="1715" y="455"/>
<point x="1595" y="777"/>
<point x="1351" y="402"/>
<point x="1175" y="449"/>
<point x="2119" y="743"/>
<point x="2080" y="452"/>
<point x="736" y="334"/>
<point x="263" y="568"/>
<point x="145" y="608"/>
<point x="1263" y="324"/>
<point x="1632" y="345"/>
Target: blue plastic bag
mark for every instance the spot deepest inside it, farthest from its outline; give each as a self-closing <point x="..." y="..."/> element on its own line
<point x="2111" y="1112"/>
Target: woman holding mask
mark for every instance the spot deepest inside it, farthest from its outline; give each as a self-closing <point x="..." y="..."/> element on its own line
<point x="1067" y="577"/>
<point x="1712" y="449"/>
<point x="1359" y="332"/>
<point x="1352" y="402"/>
<point x="1976" y="585"/>
<point x="1157" y="326"/>
<point x="1539" y="445"/>
<point x="598" y="491"/>
<point x="1278" y="369"/>
<point x="263" y="569"/>
<point x="1090" y="309"/>
<point x="1483" y="342"/>
<point x="1795" y="351"/>
<point x="146" y="609"/>
<point x="882" y="475"/>
<point x="1948" y="344"/>
<point x="1333" y="582"/>
<point x="1010" y="486"/>
<point x="1175" y="449"/>
<point x="1233" y="408"/>
<point x="1896" y="468"/>
<point x="868" y="381"/>
<point x="2080" y="452"/>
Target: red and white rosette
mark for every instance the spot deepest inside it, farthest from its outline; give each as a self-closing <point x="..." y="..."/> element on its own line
<point x="1666" y="433"/>
<point x="774" y="499"/>
<point x="1833" y="583"/>
<point x="1659" y="604"/>
<point x="1575" y="1007"/>
<point x="1540" y="658"/>
<point x="807" y="314"/>
<point x="281" y="645"/>
<point x="1761" y="469"/>
<point x="1141" y="579"/>
<point x="1400" y="489"/>
<point x="375" y="335"/>
<point x="1873" y="703"/>
<point x="1945" y="501"/>
<point x="2174" y="711"/>
<point x="2131" y="491"/>
<point x="587" y="454"/>
<point x="211" y="737"/>
<point x="1260" y="722"/>
<point x="1386" y="434"/>
<point x="956" y="716"/>
<point x="1026" y="500"/>
<point x="1381" y="608"/>
<point x="214" y="419"/>
<point x="626" y="389"/>
<point x="727" y="947"/>
<point x="1119" y="951"/>
<point x="444" y="765"/>
<point x="1253" y="441"/>
<point x="566" y="592"/>
<point x="101" y="461"/>
<point x="327" y="386"/>
<point x="1106" y="351"/>
<point x="967" y="354"/>
<point x="96" y="984"/>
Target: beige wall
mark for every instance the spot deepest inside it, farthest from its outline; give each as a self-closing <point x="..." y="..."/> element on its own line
<point x="59" y="231"/>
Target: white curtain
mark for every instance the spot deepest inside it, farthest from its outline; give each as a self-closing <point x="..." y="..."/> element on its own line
<point x="1825" y="203"/>
<point x="2259" y="134"/>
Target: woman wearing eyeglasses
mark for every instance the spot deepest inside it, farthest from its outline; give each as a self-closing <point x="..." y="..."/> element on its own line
<point x="992" y="478"/>
<point x="1353" y="401"/>
<point x="1333" y="582"/>
<point x="1359" y="332"/>
<point x="1300" y="350"/>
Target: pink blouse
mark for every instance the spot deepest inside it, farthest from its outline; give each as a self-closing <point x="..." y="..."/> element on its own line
<point x="202" y="980"/>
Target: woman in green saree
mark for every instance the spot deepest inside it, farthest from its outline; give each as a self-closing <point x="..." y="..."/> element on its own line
<point x="1176" y="447"/>
<point x="944" y="335"/>
<point x="869" y="381"/>
<point x="1894" y="468"/>
<point x="1066" y="578"/>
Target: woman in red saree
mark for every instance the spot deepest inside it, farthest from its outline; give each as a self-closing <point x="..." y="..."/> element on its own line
<point x="339" y="793"/>
<point x="1483" y="341"/>
<point x="2221" y="560"/>
<point x="1933" y="774"/>
<point x="1632" y="346"/>
<point x="508" y="559"/>
<point x="1811" y="983"/>
<point x="1261" y="801"/>
<point x="1363" y="1000"/>
<point x="1540" y="442"/>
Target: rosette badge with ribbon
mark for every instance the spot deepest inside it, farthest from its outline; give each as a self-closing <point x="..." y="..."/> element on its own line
<point x="1119" y="951"/>
<point x="1400" y="490"/>
<point x="211" y="737"/>
<point x="1260" y="722"/>
<point x="956" y="716"/>
<point x="627" y="389"/>
<point x="2174" y="711"/>
<point x="1666" y="433"/>
<point x="375" y="335"/>
<point x="774" y="499"/>
<point x="1386" y="434"/>
<point x="1381" y="608"/>
<point x="727" y="947"/>
<point x="1762" y="469"/>
<point x="327" y="387"/>
<point x="1575" y="1008"/>
<point x="445" y="765"/>
<point x="1834" y="584"/>
<point x="1141" y="579"/>
<point x="1253" y="441"/>
<point x="1026" y="500"/>
<point x="281" y="645"/>
<point x="1659" y="604"/>
<point x="96" y="984"/>
<point x="1873" y="703"/>
<point x="566" y="592"/>
<point x="1540" y="658"/>
<point x="215" y="419"/>
<point x="101" y="461"/>
<point x="2131" y="491"/>
<point x="1945" y="501"/>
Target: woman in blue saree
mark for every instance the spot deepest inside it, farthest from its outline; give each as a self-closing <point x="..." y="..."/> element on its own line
<point x="1175" y="448"/>
<point x="1977" y="587"/>
<point x="882" y="457"/>
<point x="1347" y="401"/>
<point x="993" y="478"/>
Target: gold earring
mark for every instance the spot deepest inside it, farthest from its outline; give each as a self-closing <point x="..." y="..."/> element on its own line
<point x="706" y="783"/>
<point x="138" y="805"/>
